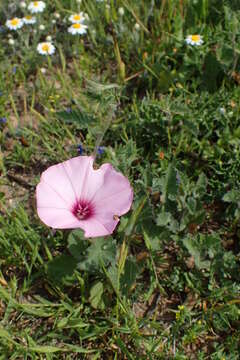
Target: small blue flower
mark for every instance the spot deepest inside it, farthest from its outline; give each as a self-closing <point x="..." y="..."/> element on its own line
<point x="3" y="120"/>
<point x="80" y="149"/>
<point x="100" y="150"/>
<point x="68" y="110"/>
<point x="14" y="69"/>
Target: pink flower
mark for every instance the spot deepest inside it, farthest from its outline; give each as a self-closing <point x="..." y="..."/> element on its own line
<point x="73" y="195"/>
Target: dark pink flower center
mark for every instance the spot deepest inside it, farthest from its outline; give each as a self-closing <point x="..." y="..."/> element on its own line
<point x="83" y="210"/>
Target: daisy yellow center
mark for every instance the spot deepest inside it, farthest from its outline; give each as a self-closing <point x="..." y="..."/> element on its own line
<point x="45" y="47"/>
<point x="28" y="17"/>
<point x="77" y="17"/>
<point x="14" y="22"/>
<point x="77" y="26"/>
<point x="195" y="38"/>
<point x="35" y="3"/>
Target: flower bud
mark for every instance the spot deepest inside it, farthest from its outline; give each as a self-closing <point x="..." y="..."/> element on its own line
<point x="137" y="27"/>
<point x="23" y="4"/>
<point x="11" y="41"/>
<point x="121" y="11"/>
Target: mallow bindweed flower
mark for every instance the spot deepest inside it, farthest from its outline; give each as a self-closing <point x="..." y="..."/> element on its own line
<point x="73" y="195"/>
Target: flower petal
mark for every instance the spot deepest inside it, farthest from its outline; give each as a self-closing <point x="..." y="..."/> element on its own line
<point x="58" y="179"/>
<point x="48" y="196"/>
<point x="115" y="195"/>
<point x="77" y="170"/>
<point x="58" y="218"/>
<point x="96" y="227"/>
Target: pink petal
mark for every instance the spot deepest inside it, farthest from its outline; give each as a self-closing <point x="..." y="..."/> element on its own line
<point x="94" y="180"/>
<point x="115" y="196"/>
<point x="47" y="196"/>
<point x="58" y="218"/>
<point x="98" y="227"/>
<point x="78" y="170"/>
<point x="58" y="179"/>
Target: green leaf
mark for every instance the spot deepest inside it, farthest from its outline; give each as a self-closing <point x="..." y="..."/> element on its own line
<point x="201" y="185"/>
<point x="193" y="249"/>
<point x="91" y="257"/>
<point x="112" y="274"/>
<point x="135" y="215"/>
<point x="96" y="296"/>
<point x="61" y="269"/>
<point x="170" y="184"/>
<point x="212" y="70"/>
<point x="101" y="252"/>
<point x="77" y="244"/>
<point x="83" y="120"/>
<point x="129" y="276"/>
<point x="47" y="349"/>
<point x="191" y="205"/>
<point x="151" y="237"/>
<point x="164" y="218"/>
<point x="232" y="196"/>
<point x="67" y="323"/>
<point x="5" y="335"/>
<point x="191" y="127"/>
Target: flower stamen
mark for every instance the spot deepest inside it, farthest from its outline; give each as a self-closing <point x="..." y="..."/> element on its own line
<point x="82" y="210"/>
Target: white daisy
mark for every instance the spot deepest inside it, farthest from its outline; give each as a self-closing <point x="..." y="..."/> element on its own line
<point x="194" y="40"/>
<point x="36" y="6"/>
<point x="77" y="29"/>
<point x="46" y="48"/>
<point x="14" y="24"/>
<point x="77" y="18"/>
<point x="28" y="19"/>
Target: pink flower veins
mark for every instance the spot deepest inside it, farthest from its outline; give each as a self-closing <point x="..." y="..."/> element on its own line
<point x="74" y="195"/>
